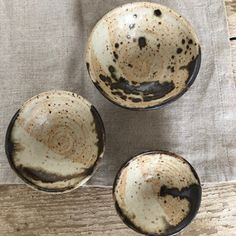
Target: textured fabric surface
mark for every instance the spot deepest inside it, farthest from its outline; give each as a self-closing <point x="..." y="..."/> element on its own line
<point x="42" y="47"/>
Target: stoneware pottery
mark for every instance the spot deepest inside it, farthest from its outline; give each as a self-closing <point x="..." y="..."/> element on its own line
<point x="143" y="55"/>
<point x="157" y="193"/>
<point x="55" y="141"/>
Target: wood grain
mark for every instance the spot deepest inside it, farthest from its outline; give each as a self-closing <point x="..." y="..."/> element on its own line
<point x="90" y="211"/>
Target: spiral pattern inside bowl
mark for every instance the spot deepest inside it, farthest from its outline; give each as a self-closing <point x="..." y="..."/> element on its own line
<point x="55" y="141"/>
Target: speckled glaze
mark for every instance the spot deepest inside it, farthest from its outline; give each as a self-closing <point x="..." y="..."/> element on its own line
<point x="55" y="141"/>
<point x="143" y="55"/>
<point x="157" y="193"/>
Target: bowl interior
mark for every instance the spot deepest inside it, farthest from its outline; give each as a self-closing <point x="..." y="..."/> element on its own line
<point x="157" y="193"/>
<point x="55" y="140"/>
<point x="142" y="55"/>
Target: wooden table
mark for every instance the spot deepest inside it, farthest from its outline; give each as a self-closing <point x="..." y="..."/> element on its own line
<point x="90" y="211"/>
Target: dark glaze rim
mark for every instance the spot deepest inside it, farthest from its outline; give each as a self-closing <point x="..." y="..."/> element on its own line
<point x="9" y="148"/>
<point x="126" y="220"/>
<point x="167" y="101"/>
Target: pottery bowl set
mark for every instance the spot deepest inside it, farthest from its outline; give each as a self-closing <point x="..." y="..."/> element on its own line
<point x="139" y="56"/>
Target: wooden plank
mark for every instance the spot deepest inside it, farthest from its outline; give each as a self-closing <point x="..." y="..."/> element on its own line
<point x="90" y="211"/>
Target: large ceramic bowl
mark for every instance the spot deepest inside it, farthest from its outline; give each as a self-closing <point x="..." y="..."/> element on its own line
<point x="157" y="193"/>
<point x="54" y="141"/>
<point x="143" y="55"/>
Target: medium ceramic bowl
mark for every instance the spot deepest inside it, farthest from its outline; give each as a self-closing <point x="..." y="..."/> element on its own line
<point x="143" y="55"/>
<point x="54" y="141"/>
<point x="157" y="193"/>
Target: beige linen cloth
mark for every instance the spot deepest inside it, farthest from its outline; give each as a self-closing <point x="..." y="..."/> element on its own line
<point x="42" y="47"/>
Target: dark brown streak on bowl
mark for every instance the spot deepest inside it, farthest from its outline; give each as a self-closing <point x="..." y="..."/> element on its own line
<point x="101" y="135"/>
<point x="88" y="67"/>
<point x="193" y="69"/>
<point x="193" y="194"/>
<point x="47" y="177"/>
<point x="9" y="150"/>
<point x="148" y="90"/>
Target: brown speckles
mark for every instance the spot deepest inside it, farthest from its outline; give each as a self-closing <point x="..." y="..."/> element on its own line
<point x="183" y="41"/>
<point x="115" y="55"/>
<point x="157" y="12"/>
<point x="135" y="15"/>
<point x="179" y="50"/>
<point x="190" y="41"/>
<point x="142" y="42"/>
<point x="117" y="45"/>
<point x="130" y="65"/>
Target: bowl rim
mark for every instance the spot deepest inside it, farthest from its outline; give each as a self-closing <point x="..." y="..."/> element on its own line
<point x="9" y="148"/>
<point x="190" y="81"/>
<point x="127" y="221"/>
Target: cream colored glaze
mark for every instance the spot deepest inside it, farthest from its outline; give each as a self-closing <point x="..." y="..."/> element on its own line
<point x="55" y="133"/>
<point x="149" y="63"/>
<point x="137" y="191"/>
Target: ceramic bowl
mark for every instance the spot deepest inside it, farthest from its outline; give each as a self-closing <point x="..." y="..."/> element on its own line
<point x="157" y="193"/>
<point x="54" y="141"/>
<point x="143" y="55"/>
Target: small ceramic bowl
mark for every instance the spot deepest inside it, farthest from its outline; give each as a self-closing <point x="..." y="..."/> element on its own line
<point x="157" y="193"/>
<point x="54" y="141"/>
<point x="143" y="55"/>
